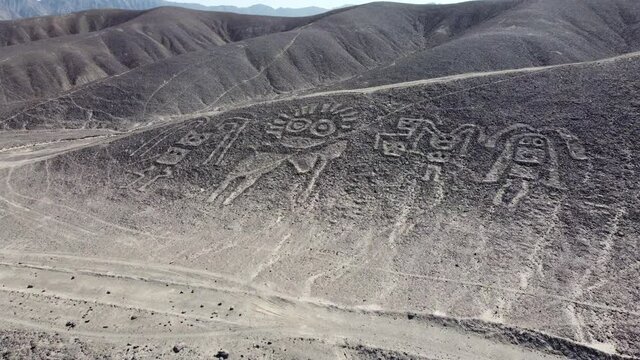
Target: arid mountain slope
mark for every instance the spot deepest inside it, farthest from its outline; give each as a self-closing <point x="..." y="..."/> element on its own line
<point x="503" y="205"/>
<point x="34" y="29"/>
<point x="535" y="33"/>
<point x="191" y="185"/>
<point x="44" y="57"/>
<point x="15" y="9"/>
<point x="370" y="44"/>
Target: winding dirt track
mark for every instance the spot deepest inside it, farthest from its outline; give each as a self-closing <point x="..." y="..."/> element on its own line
<point x="471" y="75"/>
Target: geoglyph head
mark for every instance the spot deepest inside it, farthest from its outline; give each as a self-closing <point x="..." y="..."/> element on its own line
<point x="531" y="149"/>
<point x="312" y="125"/>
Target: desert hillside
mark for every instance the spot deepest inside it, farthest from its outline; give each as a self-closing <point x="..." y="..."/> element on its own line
<point x="385" y="181"/>
<point x="170" y="62"/>
<point x="17" y="9"/>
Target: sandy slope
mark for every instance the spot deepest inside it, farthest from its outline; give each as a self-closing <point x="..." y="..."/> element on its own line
<point x="121" y="302"/>
<point x="334" y="250"/>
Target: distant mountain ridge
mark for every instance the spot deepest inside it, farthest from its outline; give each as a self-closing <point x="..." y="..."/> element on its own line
<point x="16" y="9"/>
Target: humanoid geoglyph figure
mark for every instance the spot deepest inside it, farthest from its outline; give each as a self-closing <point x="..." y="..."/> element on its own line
<point x="529" y="156"/>
<point x="312" y="136"/>
<point x="422" y="137"/>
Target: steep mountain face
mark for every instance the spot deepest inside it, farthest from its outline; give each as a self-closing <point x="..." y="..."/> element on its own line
<point x="97" y="23"/>
<point x="353" y="47"/>
<point x="34" y="29"/>
<point x="47" y="56"/>
<point x="15" y="9"/>
<point x="533" y="33"/>
<point x="291" y="58"/>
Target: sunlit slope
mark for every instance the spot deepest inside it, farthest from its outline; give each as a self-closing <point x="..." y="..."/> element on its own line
<point x="510" y="198"/>
<point x="49" y="56"/>
<point x="361" y="46"/>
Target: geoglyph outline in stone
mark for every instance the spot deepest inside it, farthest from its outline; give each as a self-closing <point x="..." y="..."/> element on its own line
<point x="529" y="157"/>
<point x="516" y="169"/>
<point x="311" y="136"/>
<point x="163" y="167"/>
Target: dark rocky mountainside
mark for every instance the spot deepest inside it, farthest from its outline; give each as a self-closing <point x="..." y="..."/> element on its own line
<point x="510" y="198"/>
<point x="15" y="9"/>
<point x="47" y="56"/>
<point x="534" y="33"/>
<point x="194" y="63"/>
